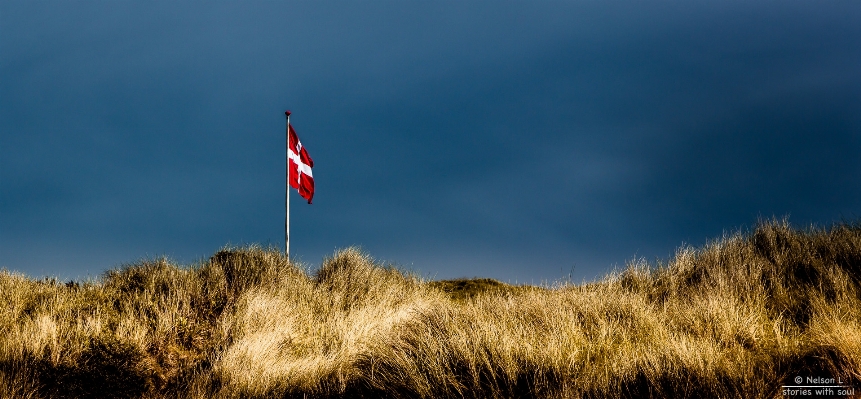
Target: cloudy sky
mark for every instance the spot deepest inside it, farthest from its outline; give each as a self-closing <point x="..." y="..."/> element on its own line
<point x="521" y="141"/>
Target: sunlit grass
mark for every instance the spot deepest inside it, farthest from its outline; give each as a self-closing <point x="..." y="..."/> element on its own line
<point x="737" y="318"/>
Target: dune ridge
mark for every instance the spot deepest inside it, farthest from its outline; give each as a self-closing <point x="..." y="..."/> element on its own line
<point x="740" y="317"/>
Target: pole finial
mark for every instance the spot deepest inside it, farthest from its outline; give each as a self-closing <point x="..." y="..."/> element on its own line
<point x="287" y="112"/>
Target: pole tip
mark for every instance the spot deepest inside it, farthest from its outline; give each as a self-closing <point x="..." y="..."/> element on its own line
<point x="287" y="112"/>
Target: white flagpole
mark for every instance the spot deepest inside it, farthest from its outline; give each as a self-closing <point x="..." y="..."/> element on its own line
<point x="287" y="195"/>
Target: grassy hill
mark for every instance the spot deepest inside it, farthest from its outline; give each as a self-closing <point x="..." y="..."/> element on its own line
<point x="739" y="317"/>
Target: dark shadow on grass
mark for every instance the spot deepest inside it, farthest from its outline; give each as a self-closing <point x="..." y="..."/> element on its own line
<point x="107" y="370"/>
<point x="467" y="288"/>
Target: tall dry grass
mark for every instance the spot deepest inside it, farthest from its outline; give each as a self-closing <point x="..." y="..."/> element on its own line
<point x="737" y="318"/>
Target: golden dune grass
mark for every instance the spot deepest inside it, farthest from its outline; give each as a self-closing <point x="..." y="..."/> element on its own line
<point x="738" y="318"/>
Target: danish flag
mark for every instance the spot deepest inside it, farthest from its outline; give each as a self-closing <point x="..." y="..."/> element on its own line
<point x="300" y="166"/>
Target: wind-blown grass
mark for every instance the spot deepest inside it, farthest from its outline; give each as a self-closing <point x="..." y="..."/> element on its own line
<point x="737" y="318"/>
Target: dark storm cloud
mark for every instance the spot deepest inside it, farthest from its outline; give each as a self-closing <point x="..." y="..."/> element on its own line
<point x="511" y="141"/>
<point x="667" y="136"/>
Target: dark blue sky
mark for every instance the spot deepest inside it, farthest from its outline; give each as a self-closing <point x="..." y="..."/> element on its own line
<point x="512" y="140"/>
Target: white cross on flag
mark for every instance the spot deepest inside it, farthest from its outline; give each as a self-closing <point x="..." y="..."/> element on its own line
<point x="300" y="167"/>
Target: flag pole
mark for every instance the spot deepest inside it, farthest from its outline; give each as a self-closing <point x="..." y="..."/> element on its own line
<point x="287" y="195"/>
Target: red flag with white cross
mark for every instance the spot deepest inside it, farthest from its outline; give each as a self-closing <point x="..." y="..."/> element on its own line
<point x="300" y="166"/>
